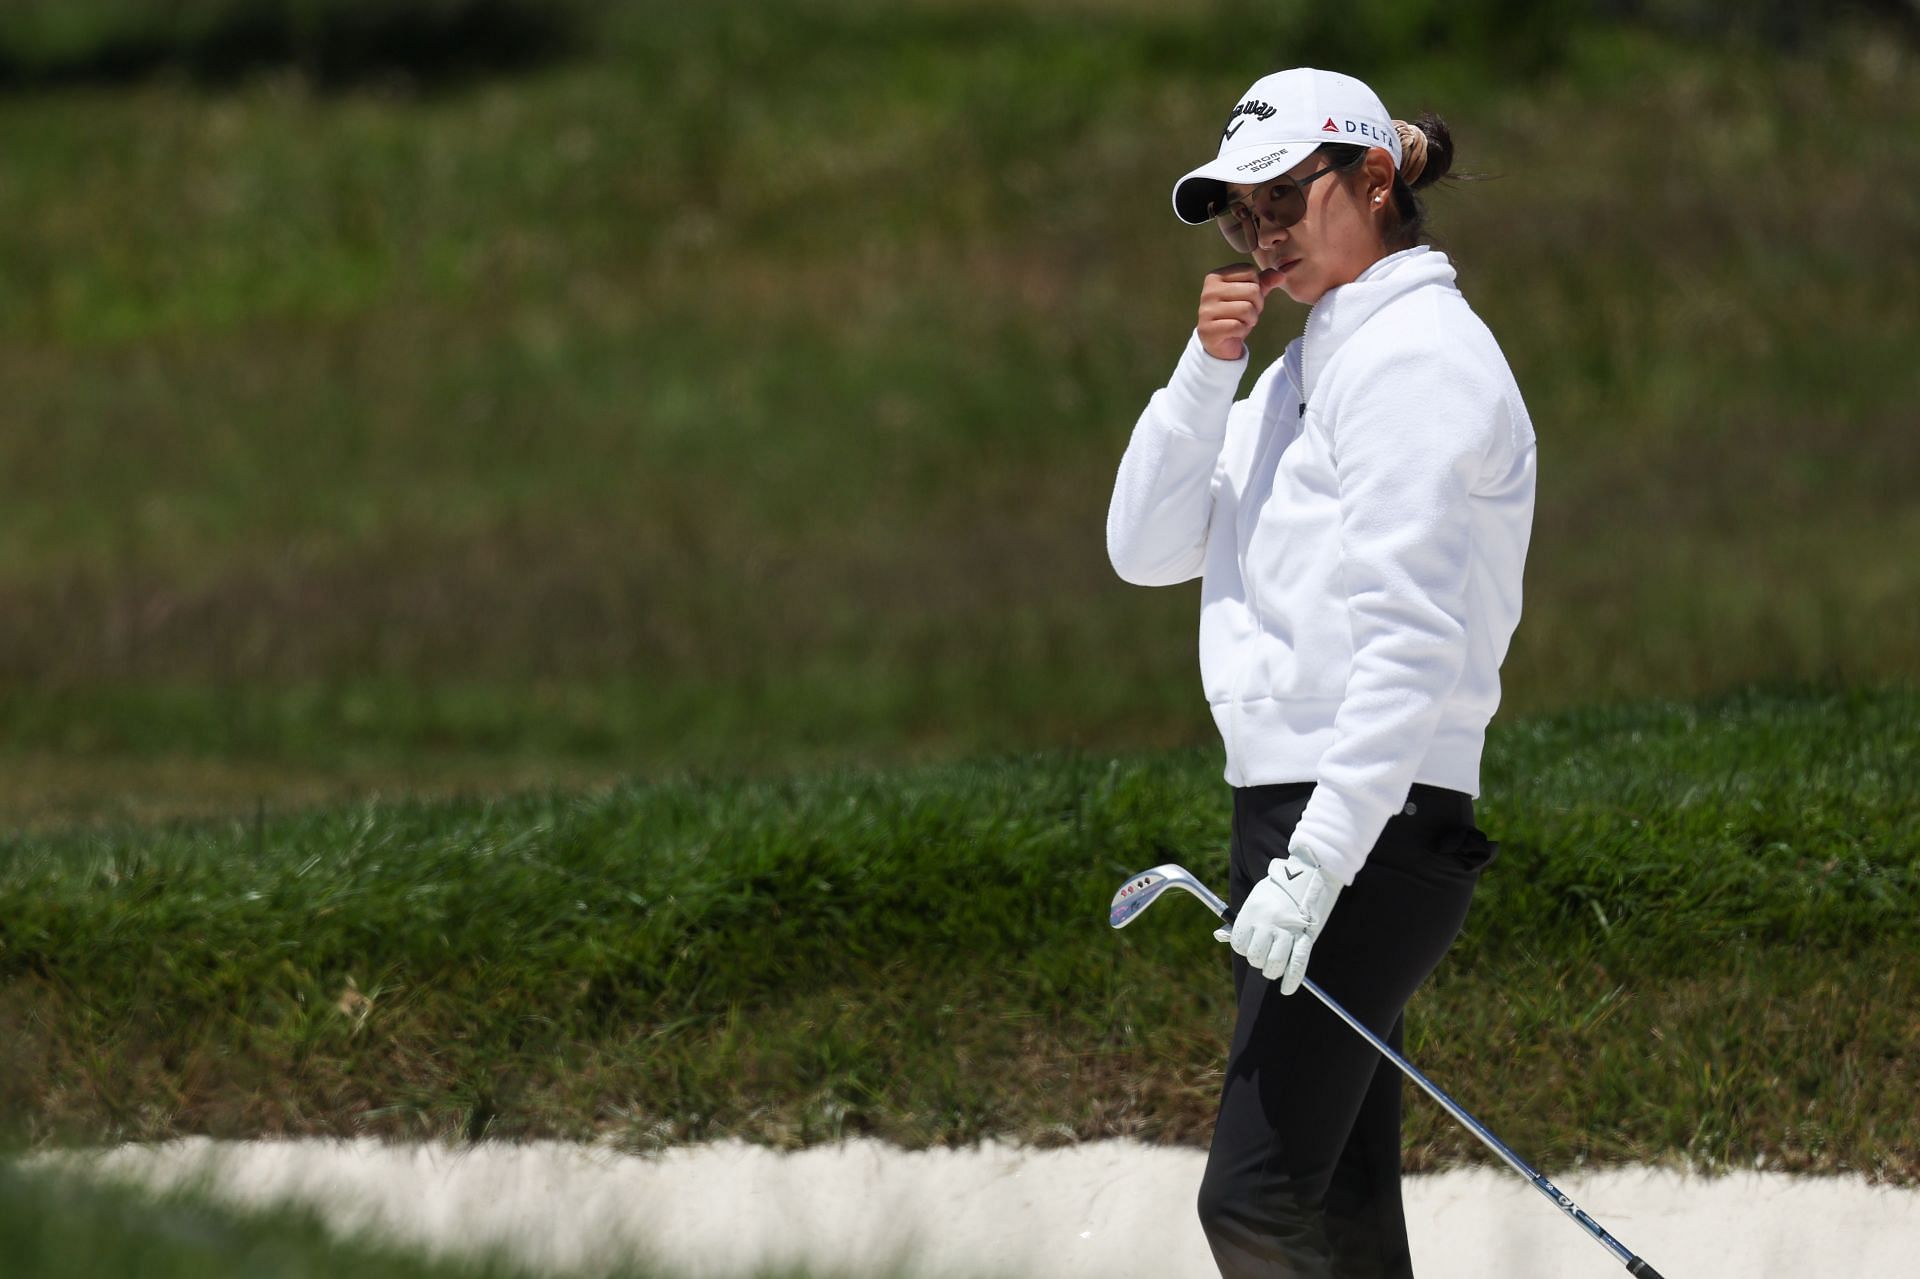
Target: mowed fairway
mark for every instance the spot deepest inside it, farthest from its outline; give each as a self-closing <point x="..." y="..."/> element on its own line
<point x="573" y="605"/>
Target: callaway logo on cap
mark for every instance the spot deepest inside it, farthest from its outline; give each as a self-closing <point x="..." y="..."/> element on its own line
<point x="1277" y="123"/>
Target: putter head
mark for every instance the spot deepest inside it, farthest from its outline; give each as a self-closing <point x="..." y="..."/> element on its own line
<point x="1139" y="892"/>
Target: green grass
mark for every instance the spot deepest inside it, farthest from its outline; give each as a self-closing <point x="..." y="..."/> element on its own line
<point x="1698" y="943"/>
<point x="748" y="394"/>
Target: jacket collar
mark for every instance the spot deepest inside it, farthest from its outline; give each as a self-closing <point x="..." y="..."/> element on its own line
<point x="1341" y="311"/>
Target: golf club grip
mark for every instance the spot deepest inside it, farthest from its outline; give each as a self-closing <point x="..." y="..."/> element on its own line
<point x="1642" y="1270"/>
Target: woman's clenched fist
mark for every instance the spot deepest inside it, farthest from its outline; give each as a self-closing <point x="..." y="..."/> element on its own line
<point x="1230" y="302"/>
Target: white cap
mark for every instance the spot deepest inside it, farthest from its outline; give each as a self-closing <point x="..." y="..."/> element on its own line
<point x="1278" y="123"/>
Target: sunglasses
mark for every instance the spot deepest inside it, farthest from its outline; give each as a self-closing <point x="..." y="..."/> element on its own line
<point x="1281" y="202"/>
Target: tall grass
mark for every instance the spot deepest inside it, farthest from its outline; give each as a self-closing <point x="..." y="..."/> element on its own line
<point x="1698" y="943"/>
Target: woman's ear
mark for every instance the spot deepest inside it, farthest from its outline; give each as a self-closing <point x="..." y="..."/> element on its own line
<point x="1380" y="173"/>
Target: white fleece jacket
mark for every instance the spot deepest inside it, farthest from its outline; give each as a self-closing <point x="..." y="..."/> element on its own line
<point x="1359" y="523"/>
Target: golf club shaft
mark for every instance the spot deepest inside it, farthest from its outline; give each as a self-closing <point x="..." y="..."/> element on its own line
<point x="1635" y="1266"/>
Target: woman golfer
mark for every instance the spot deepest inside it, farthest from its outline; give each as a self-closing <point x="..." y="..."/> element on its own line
<point x="1359" y="523"/>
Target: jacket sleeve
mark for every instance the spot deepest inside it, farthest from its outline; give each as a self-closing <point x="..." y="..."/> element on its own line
<point x="1163" y="494"/>
<point x="1409" y="442"/>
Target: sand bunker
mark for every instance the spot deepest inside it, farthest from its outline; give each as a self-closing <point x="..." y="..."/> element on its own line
<point x="1105" y="1210"/>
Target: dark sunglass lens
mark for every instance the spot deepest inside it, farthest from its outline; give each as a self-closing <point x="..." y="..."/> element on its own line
<point x="1289" y="203"/>
<point x="1234" y="228"/>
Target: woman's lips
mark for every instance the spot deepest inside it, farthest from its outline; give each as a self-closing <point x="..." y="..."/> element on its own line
<point x="1288" y="264"/>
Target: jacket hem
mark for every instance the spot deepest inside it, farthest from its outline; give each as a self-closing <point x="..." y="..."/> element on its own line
<point x="1283" y="740"/>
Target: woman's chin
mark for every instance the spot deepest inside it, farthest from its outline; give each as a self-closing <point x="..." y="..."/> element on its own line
<point x="1306" y="292"/>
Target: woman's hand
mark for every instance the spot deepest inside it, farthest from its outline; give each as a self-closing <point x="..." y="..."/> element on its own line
<point x="1280" y="920"/>
<point x="1230" y="302"/>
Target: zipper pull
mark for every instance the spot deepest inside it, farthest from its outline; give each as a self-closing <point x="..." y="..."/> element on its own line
<point x="1303" y="409"/>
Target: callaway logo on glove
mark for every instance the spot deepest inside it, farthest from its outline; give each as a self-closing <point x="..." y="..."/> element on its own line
<point x="1283" y="914"/>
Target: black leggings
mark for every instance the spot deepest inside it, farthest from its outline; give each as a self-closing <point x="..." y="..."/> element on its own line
<point x="1311" y="1190"/>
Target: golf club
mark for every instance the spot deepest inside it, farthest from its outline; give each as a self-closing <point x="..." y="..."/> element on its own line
<point x="1140" y="892"/>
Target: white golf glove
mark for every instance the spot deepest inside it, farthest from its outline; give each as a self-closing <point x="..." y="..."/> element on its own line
<point x="1282" y="915"/>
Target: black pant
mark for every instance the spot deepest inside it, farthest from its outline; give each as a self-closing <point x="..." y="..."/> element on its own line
<point x="1303" y="1179"/>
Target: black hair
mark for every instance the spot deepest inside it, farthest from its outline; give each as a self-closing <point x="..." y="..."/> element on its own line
<point x="1410" y="215"/>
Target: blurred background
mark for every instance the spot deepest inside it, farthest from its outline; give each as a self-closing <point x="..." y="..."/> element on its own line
<point x="462" y="394"/>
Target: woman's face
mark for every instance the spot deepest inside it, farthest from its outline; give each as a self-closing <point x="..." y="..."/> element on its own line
<point x="1340" y="234"/>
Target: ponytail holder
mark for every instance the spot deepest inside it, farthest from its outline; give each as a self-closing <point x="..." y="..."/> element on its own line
<point x="1413" y="151"/>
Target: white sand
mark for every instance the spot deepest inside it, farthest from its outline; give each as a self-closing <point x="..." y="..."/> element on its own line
<point x="1111" y="1210"/>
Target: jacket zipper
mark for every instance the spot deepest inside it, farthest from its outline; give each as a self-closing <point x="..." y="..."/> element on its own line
<point x="1240" y="548"/>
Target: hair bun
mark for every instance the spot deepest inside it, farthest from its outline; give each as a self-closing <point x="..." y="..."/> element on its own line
<point x="1426" y="150"/>
<point x="1413" y="151"/>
